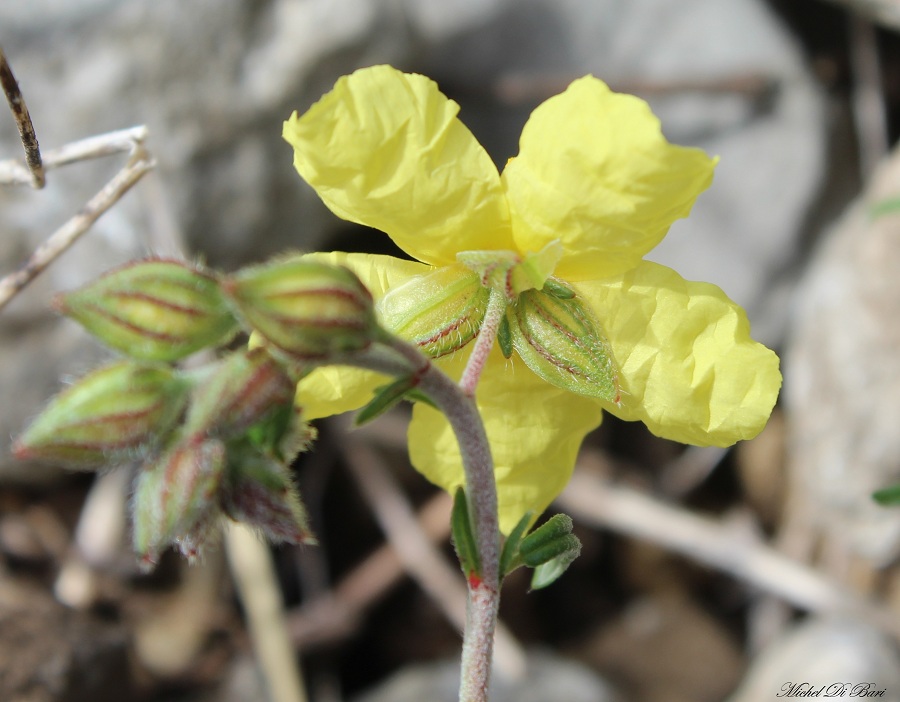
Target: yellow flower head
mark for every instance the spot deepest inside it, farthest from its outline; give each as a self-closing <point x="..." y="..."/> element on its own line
<point x="597" y="184"/>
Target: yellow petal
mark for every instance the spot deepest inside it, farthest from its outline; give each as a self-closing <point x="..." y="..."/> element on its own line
<point x="534" y="429"/>
<point x="336" y="389"/>
<point x="378" y="273"/>
<point x="688" y="367"/>
<point x="595" y="172"/>
<point x="386" y="150"/>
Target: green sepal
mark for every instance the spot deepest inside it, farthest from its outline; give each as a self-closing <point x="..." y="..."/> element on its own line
<point x="504" y="337"/>
<point x="509" y="556"/>
<point x="562" y="343"/>
<point x="439" y="312"/>
<point x="557" y="289"/>
<point x="463" y="536"/>
<point x="888" y="497"/>
<point x="386" y="397"/>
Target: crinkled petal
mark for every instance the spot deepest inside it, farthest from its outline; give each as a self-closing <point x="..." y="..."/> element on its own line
<point x="336" y="389"/>
<point x="534" y="429"/>
<point x="386" y="150"/>
<point x="378" y="273"/>
<point x="688" y="367"/>
<point x="595" y="172"/>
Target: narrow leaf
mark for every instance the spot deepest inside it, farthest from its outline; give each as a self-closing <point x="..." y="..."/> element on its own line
<point x="509" y="556"/>
<point x="385" y="397"/>
<point x="463" y="538"/>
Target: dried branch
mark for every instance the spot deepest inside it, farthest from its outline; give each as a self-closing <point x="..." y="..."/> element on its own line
<point x="714" y="543"/>
<point x="139" y="164"/>
<point x="257" y="583"/>
<point x="35" y="175"/>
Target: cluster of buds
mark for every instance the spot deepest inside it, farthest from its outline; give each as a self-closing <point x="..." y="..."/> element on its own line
<point x="212" y="441"/>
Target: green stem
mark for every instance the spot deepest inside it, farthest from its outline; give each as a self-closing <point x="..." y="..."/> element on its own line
<point x="400" y="358"/>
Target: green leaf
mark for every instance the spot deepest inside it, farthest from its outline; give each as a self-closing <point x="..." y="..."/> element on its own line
<point x="463" y="536"/>
<point x="549" y="572"/>
<point x="386" y="397"/>
<point x="509" y="556"/>
<point x="888" y="496"/>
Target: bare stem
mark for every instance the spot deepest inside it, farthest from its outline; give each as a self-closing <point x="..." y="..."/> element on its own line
<point x="69" y="233"/>
<point x="481" y="349"/>
<point x="481" y="491"/>
<point x="23" y="122"/>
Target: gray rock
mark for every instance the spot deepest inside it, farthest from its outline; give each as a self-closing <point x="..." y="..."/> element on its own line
<point x="833" y="653"/>
<point x="843" y="378"/>
<point x="549" y="678"/>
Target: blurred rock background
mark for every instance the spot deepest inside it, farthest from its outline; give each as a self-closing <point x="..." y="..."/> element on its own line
<point x="799" y="98"/>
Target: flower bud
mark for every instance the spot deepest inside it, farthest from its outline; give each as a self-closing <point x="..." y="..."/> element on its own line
<point x="245" y="387"/>
<point x="439" y="312"/>
<point x="550" y="550"/>
<point x="176" y="495"/>
<point x="560" y="341"/>
<point x="108" y="415"/>
<point x="155" y="310"/>
<point x="309" y="309"/>
<point x="260" y="492"/>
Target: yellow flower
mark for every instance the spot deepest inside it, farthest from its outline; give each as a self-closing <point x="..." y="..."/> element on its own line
<point x="594" y="173"/>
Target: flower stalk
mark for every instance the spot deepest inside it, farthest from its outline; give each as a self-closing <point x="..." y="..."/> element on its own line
<point x="459" y="408"/>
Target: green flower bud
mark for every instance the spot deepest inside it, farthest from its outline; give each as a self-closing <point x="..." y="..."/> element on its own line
<point x="559" y="339"/>
<point x="155" y="310"/>
<point x="260" y="492"/>
<point x="176" y="495"/>
<point x="110" y="414"/>
<point x="439" y="312"/>
<point x="245" y="387"/>
<point x="550" y="550"/>
<point x="308" y="309"/>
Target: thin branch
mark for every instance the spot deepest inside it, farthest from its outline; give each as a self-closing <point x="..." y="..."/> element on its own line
<point x="869" y="109"/>
<point x="129" y="140"/>
<point x="254" y="575"/>
<point x="69" y="233"/>
<point x="23" y="122"/>
<point x="714" y="543"/>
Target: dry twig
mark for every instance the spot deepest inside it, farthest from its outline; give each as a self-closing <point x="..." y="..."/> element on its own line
<point x="254" y="575"/>
<point x="713" y="543"/>
<point x="35" y="172"/>
<point x="138" y="164"/>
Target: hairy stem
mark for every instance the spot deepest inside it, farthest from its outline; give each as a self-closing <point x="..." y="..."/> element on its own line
<point x="481" y="491"/>
<point x="496" y="308"/>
